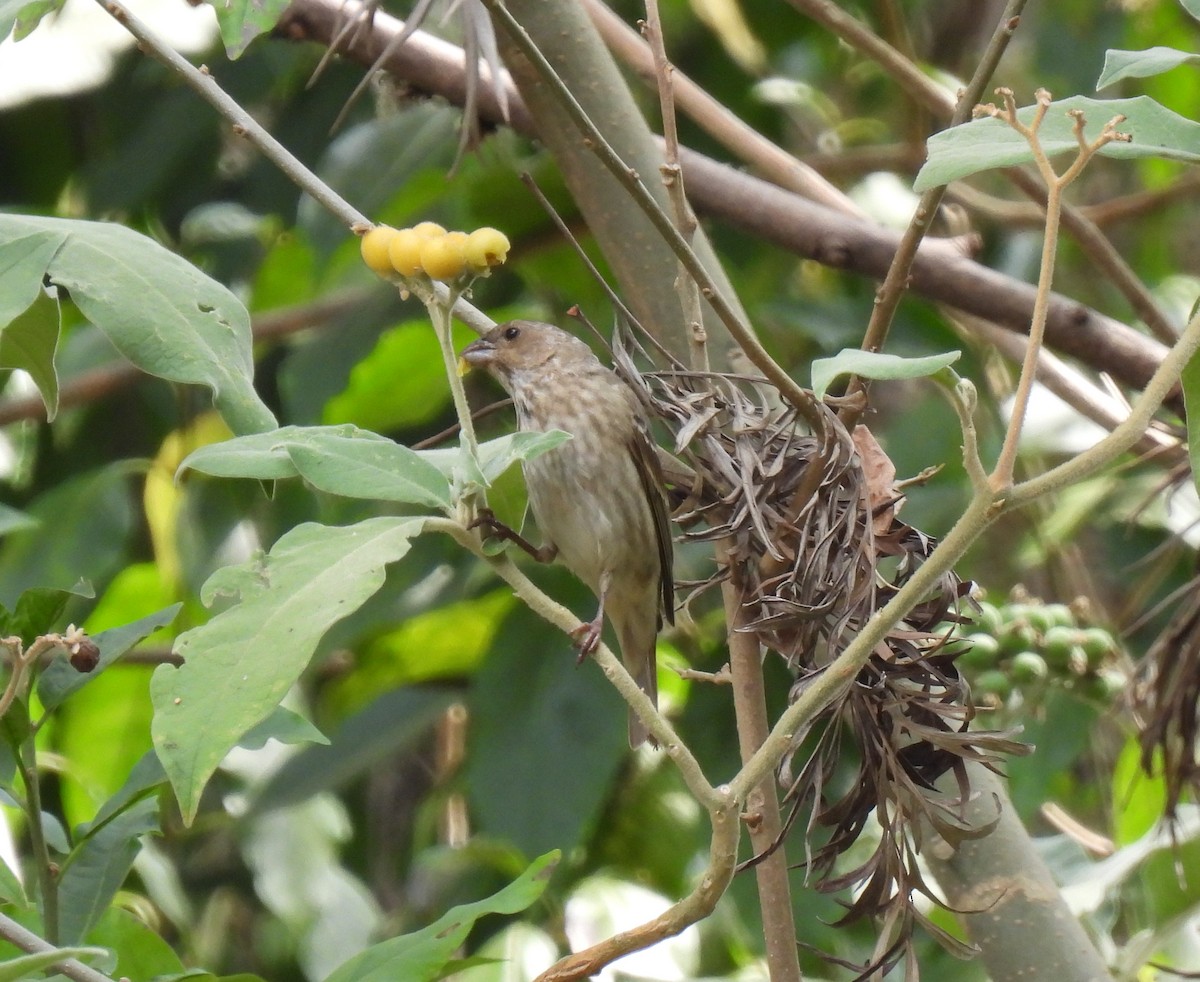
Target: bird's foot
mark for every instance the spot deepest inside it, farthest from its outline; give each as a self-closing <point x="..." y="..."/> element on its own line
<point x="587" y="636"/>
<point x="492" y="528"/>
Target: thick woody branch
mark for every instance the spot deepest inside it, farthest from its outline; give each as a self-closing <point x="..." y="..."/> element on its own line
<point x="785" y="219"/>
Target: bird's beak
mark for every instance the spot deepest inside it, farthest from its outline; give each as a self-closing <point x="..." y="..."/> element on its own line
<point x="477" y="354"/>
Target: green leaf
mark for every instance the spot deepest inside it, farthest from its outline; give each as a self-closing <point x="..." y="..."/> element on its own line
<point x="83" y="527"/>
<point x="59" y="679"/>
<point x="141" y="952"/>
<point x="24" y="259"/>
<point x="97" y="867"/>
<point x="517" y="791"/>
<point x="394" y="722"/>
<point x="1119" y="64"/>
<point x="1190" y="380"/>
<point x="27" y="966"/>
<point x="285" y="726"/>
<point x="162" y="313"/>
<point x="875" y="365"/>
<point x="147" y="775"/>
<point x="239" y="665"/>
<point x="375" y="469"/>
<point x="29" y="342"/>
<point x="39" y="611"/>
<point x="343" y="460"/>
<point x="11" y="890"/>
<point x="241" y="21"/>
<point x="983" y="144"/>
<point x="423" y="955"/>
<point x="498" y="455"/>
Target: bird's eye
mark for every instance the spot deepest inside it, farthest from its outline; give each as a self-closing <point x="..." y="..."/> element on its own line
<point x="512" y="333"/>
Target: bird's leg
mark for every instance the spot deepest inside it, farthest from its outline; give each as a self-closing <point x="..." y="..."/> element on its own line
<point x="496" y="529"/>
<point x="587" y="635"/>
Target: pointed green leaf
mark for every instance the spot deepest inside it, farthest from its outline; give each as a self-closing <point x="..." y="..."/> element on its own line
<point x="983" y="144"/>
<point x="29" y="342"/>
<point x="24" y="259"/>
<point x="285" y="726"/>
<point x="422" y="956"/>
<point x="377" y="469"/>
<point x="1120" y="64"/>
<point x="160" y="311"/>
<point x="59" y="679"/>
<point x="239" y="665"/>
<point x="875" y="365"/>
<point x="97" y="867"/>
<point x="241" y="21"/>
<point x="340" y="459"/>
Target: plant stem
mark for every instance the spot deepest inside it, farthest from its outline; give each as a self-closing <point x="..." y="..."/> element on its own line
<point x="762" y="802"/>
<point x="895" y="284"/>
<point x="443" y="325"/>
<point x="26" y="940"/>
<point x="47" y="880"/>
<point x="730" y="316"/>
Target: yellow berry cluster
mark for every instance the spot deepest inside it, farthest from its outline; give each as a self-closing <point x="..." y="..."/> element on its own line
<point x="428" y="248"/>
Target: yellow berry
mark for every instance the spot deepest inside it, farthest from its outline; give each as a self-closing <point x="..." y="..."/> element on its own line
<point x="404" y="252"/>
<point x="428" y="230"/>
<point x="485" y="248"/>
<point x="374" y="249"/>
<point x="442" y="258"/>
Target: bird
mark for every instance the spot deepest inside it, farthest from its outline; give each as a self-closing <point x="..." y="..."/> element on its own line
<point x="598" y="499"/>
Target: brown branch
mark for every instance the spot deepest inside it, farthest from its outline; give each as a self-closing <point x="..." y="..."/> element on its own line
<point x="762" y="802"/>
<point x="787" y="220"/>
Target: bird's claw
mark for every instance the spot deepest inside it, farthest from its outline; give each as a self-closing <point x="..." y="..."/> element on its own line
<point x="587" y="638"/>
<point x="486" y="519"/>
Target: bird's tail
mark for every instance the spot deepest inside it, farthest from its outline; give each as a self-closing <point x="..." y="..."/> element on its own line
<point x="637" y="651"/>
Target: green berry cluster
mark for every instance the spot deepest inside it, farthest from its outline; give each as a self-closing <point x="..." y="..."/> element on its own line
<point x="1015" y="652"/>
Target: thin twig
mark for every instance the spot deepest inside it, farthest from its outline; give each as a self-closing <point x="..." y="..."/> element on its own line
<point x="741" y="332"/>
<point x="895" y="284"/>
<point x="245" y="125"/>
<point x="717" y="121"/>
<point x="26" y="940"/>
<point x="926" y="91"/>
<point x="672" y="174"/>
<point x="1002" y="475"/>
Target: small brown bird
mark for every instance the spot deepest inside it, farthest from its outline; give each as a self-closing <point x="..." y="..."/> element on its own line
<point x="598" y="498"/>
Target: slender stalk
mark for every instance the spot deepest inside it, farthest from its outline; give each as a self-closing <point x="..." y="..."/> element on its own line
<point x="47" y="881"/>
<point x="555" y="613"/>
<point x="1092" y="460"/>
<point x="712" y="116"/>
<point x="742" y="333"/>
<point x="895" y="284"/>
<point x="246" y="126"/>
<point x="762" y="803"/>
<point x="694" y="907"/>
<point x="26" y="940"/>
<point x="1002" y="475"/>
<point x="440" y="315"/>
<point x="685" y="219"/>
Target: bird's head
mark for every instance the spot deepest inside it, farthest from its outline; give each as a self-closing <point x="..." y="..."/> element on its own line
<point x="519" y="349"/>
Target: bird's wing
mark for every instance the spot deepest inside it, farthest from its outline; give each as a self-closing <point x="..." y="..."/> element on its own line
<point x="645" y="462"/>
